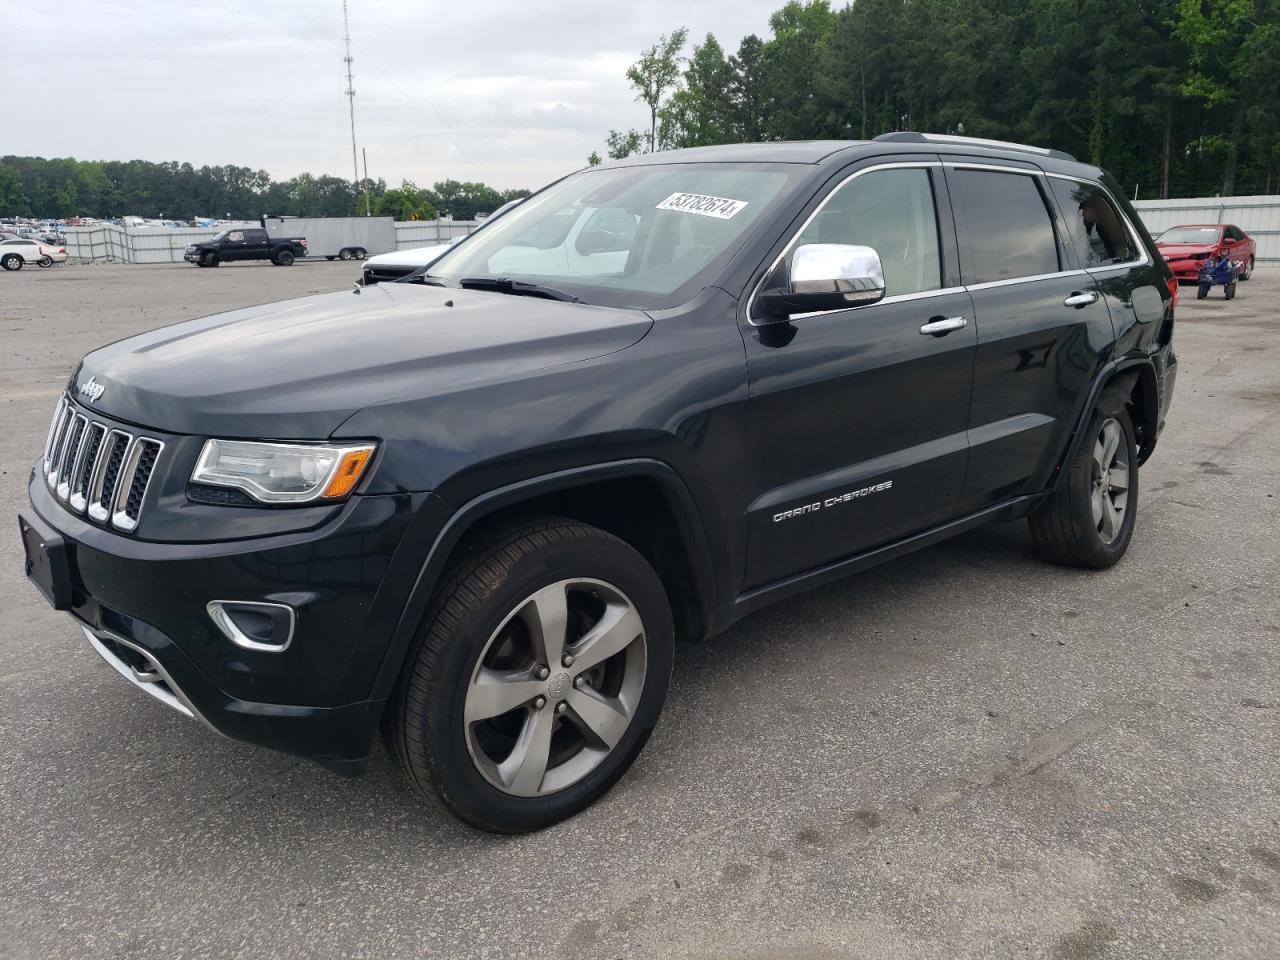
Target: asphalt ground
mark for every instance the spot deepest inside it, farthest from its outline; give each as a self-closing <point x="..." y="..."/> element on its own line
<point x="963" y="753"/>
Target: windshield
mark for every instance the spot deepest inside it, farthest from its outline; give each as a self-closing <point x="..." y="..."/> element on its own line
<point x="645" y="237"/>
<point x="1189" y="235"/>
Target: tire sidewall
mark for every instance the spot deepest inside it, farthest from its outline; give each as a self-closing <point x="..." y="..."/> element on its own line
<point x="11" y="262"/>
<point x="1081" y="481"/>
<point x="448" y="764"/>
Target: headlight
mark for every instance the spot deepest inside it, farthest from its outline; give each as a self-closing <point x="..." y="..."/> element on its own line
<point x="283" y="472"/>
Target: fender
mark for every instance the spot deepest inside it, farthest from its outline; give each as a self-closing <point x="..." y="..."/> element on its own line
<point x="1145" y="370"/>
<point x="465" y="517"/>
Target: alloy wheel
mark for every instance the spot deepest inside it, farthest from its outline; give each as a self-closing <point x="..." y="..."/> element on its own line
<point x="1109" y="497"/>
<point x="556" y="687"/>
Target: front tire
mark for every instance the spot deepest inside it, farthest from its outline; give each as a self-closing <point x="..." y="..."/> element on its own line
<point x="345" y="253"/>
<point x="536" y="678"/>
<point x="1231" y="290"/>
<point x="210" y="260"/>
<point x="1089" y="520"/>
<point x="1202" y="291"/>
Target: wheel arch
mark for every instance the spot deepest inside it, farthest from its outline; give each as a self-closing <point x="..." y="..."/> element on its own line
<point x="1135" y="382"/>
<point x="643" y="502"/>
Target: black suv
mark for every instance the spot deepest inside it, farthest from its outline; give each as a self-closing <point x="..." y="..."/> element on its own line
<point x="476" y="507"/>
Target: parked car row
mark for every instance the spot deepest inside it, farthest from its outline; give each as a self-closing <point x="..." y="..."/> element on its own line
<point x="16" y="252"/>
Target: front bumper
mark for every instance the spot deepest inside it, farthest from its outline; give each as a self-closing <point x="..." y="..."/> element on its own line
<point x="142" y="606"/>
<point x="1186" y="271"/>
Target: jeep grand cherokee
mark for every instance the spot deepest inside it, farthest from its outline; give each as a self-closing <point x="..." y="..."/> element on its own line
<point x="476" y="507"/>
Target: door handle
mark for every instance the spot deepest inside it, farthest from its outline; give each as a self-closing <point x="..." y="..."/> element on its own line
<point x="941" y="326"/>
<point x="1081" y="299"/>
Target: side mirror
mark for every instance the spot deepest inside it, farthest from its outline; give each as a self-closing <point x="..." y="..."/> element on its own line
<point x="825" y="276"/>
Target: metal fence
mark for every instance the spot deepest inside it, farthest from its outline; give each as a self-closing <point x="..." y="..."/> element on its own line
<point x="1257" y="216"/>
<point x="106" y="242"/>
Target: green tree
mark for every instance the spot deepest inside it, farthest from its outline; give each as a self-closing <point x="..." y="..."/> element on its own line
<point x="655" y="73"/>
<point x="698" y="114"/>
<point x="1234" y="53"/>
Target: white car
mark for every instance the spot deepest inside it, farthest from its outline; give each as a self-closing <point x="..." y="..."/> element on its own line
<point x="400" y="263"/>
<point x="16" y="252"/>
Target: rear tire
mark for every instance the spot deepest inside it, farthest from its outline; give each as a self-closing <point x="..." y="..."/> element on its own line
<point x="46" y="261"/>
<point x="345" y="253"/>
<point x="360" y="253"/>
<point x="476" y="724"/>
<point x="284" y="258"/>
<point x="1231" y="290"/>
<point x="1202" y="291"/>
<point x="1247" y="272"/>
<point x="1089" y="520"/>
<point x="11" y="261"/>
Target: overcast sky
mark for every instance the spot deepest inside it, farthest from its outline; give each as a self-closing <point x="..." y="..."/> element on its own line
<point x="511" y="93"/>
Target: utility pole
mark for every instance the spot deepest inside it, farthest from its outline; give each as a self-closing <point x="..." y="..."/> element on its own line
<point x="351" y="101"/>
<point x="364" y="154"/>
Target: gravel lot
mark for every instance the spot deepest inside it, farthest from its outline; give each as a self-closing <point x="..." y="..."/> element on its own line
<point x="964" y="753"/>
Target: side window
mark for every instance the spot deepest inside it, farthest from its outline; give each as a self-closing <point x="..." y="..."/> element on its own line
<point x="1010" y="232"/>
<point x="891" y="211"/>
<point x="1097" y="232"/>
<point x="235" y="236"/>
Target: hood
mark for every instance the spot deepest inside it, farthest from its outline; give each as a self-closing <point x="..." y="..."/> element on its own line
<point x="298" y="369"/>
<point x="411" y="257"/>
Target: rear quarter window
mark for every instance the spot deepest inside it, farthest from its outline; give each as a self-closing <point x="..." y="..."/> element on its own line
<point x="1095" y="227"/>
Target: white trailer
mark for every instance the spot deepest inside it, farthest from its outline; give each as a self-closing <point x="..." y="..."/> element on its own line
<point x="345" y="238"/>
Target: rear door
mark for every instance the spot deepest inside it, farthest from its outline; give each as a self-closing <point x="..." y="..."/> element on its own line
<point x="256" y="243"/>
<point x="856" y="430"/>
<point x="1042" y="328"/>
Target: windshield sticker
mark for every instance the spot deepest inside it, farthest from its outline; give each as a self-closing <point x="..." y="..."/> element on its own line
<point x="718" y="207"/>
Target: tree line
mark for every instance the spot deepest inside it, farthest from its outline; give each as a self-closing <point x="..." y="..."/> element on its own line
<point x="1174" y="97"/>
<point x="62" y="188"/>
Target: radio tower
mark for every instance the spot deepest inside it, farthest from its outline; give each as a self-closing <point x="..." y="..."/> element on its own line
<point x="351" y="101"/>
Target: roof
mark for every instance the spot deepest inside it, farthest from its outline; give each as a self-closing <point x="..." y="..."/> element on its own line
<point x="784" y="151"/>
<point x="815" y="152"/>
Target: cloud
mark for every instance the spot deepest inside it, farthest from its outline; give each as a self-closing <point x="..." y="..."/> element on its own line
<point x="513" y="93"/>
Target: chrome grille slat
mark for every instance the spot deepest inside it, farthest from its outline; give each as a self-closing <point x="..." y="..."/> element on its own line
<point x="70" y="456"/>
<point x="58" y="411"/>
<point x="97" y="469"/>
<point x="85" y="468"/>
<point x="131" y="486"/>
<point x="103" y="491"/>
<point x="60" y="437"/>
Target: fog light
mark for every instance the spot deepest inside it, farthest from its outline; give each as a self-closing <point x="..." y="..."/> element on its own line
<point x="253" y="625"/>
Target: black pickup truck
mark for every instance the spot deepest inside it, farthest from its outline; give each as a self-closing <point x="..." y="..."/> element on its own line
<point x="248" y="243"/>
<point x="475" y="508"/>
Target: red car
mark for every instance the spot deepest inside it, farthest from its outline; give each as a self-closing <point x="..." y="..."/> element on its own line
<point x="1187" y="247"/>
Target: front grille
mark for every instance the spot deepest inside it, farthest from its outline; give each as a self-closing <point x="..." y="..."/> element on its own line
<point x="97" y="469"/>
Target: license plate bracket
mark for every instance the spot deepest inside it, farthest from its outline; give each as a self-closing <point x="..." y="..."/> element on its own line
<point x="48" y="565"/>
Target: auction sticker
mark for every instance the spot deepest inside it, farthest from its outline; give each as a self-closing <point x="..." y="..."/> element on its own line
<point x="718" y="207"/>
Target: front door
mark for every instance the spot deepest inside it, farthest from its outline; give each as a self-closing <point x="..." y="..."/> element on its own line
<point x="856" y="429"/>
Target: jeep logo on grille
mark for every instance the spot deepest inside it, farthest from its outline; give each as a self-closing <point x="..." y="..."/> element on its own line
<point x="91" y="389"/>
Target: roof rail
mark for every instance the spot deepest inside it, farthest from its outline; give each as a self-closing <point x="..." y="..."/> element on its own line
<point x="911" y="136"/>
